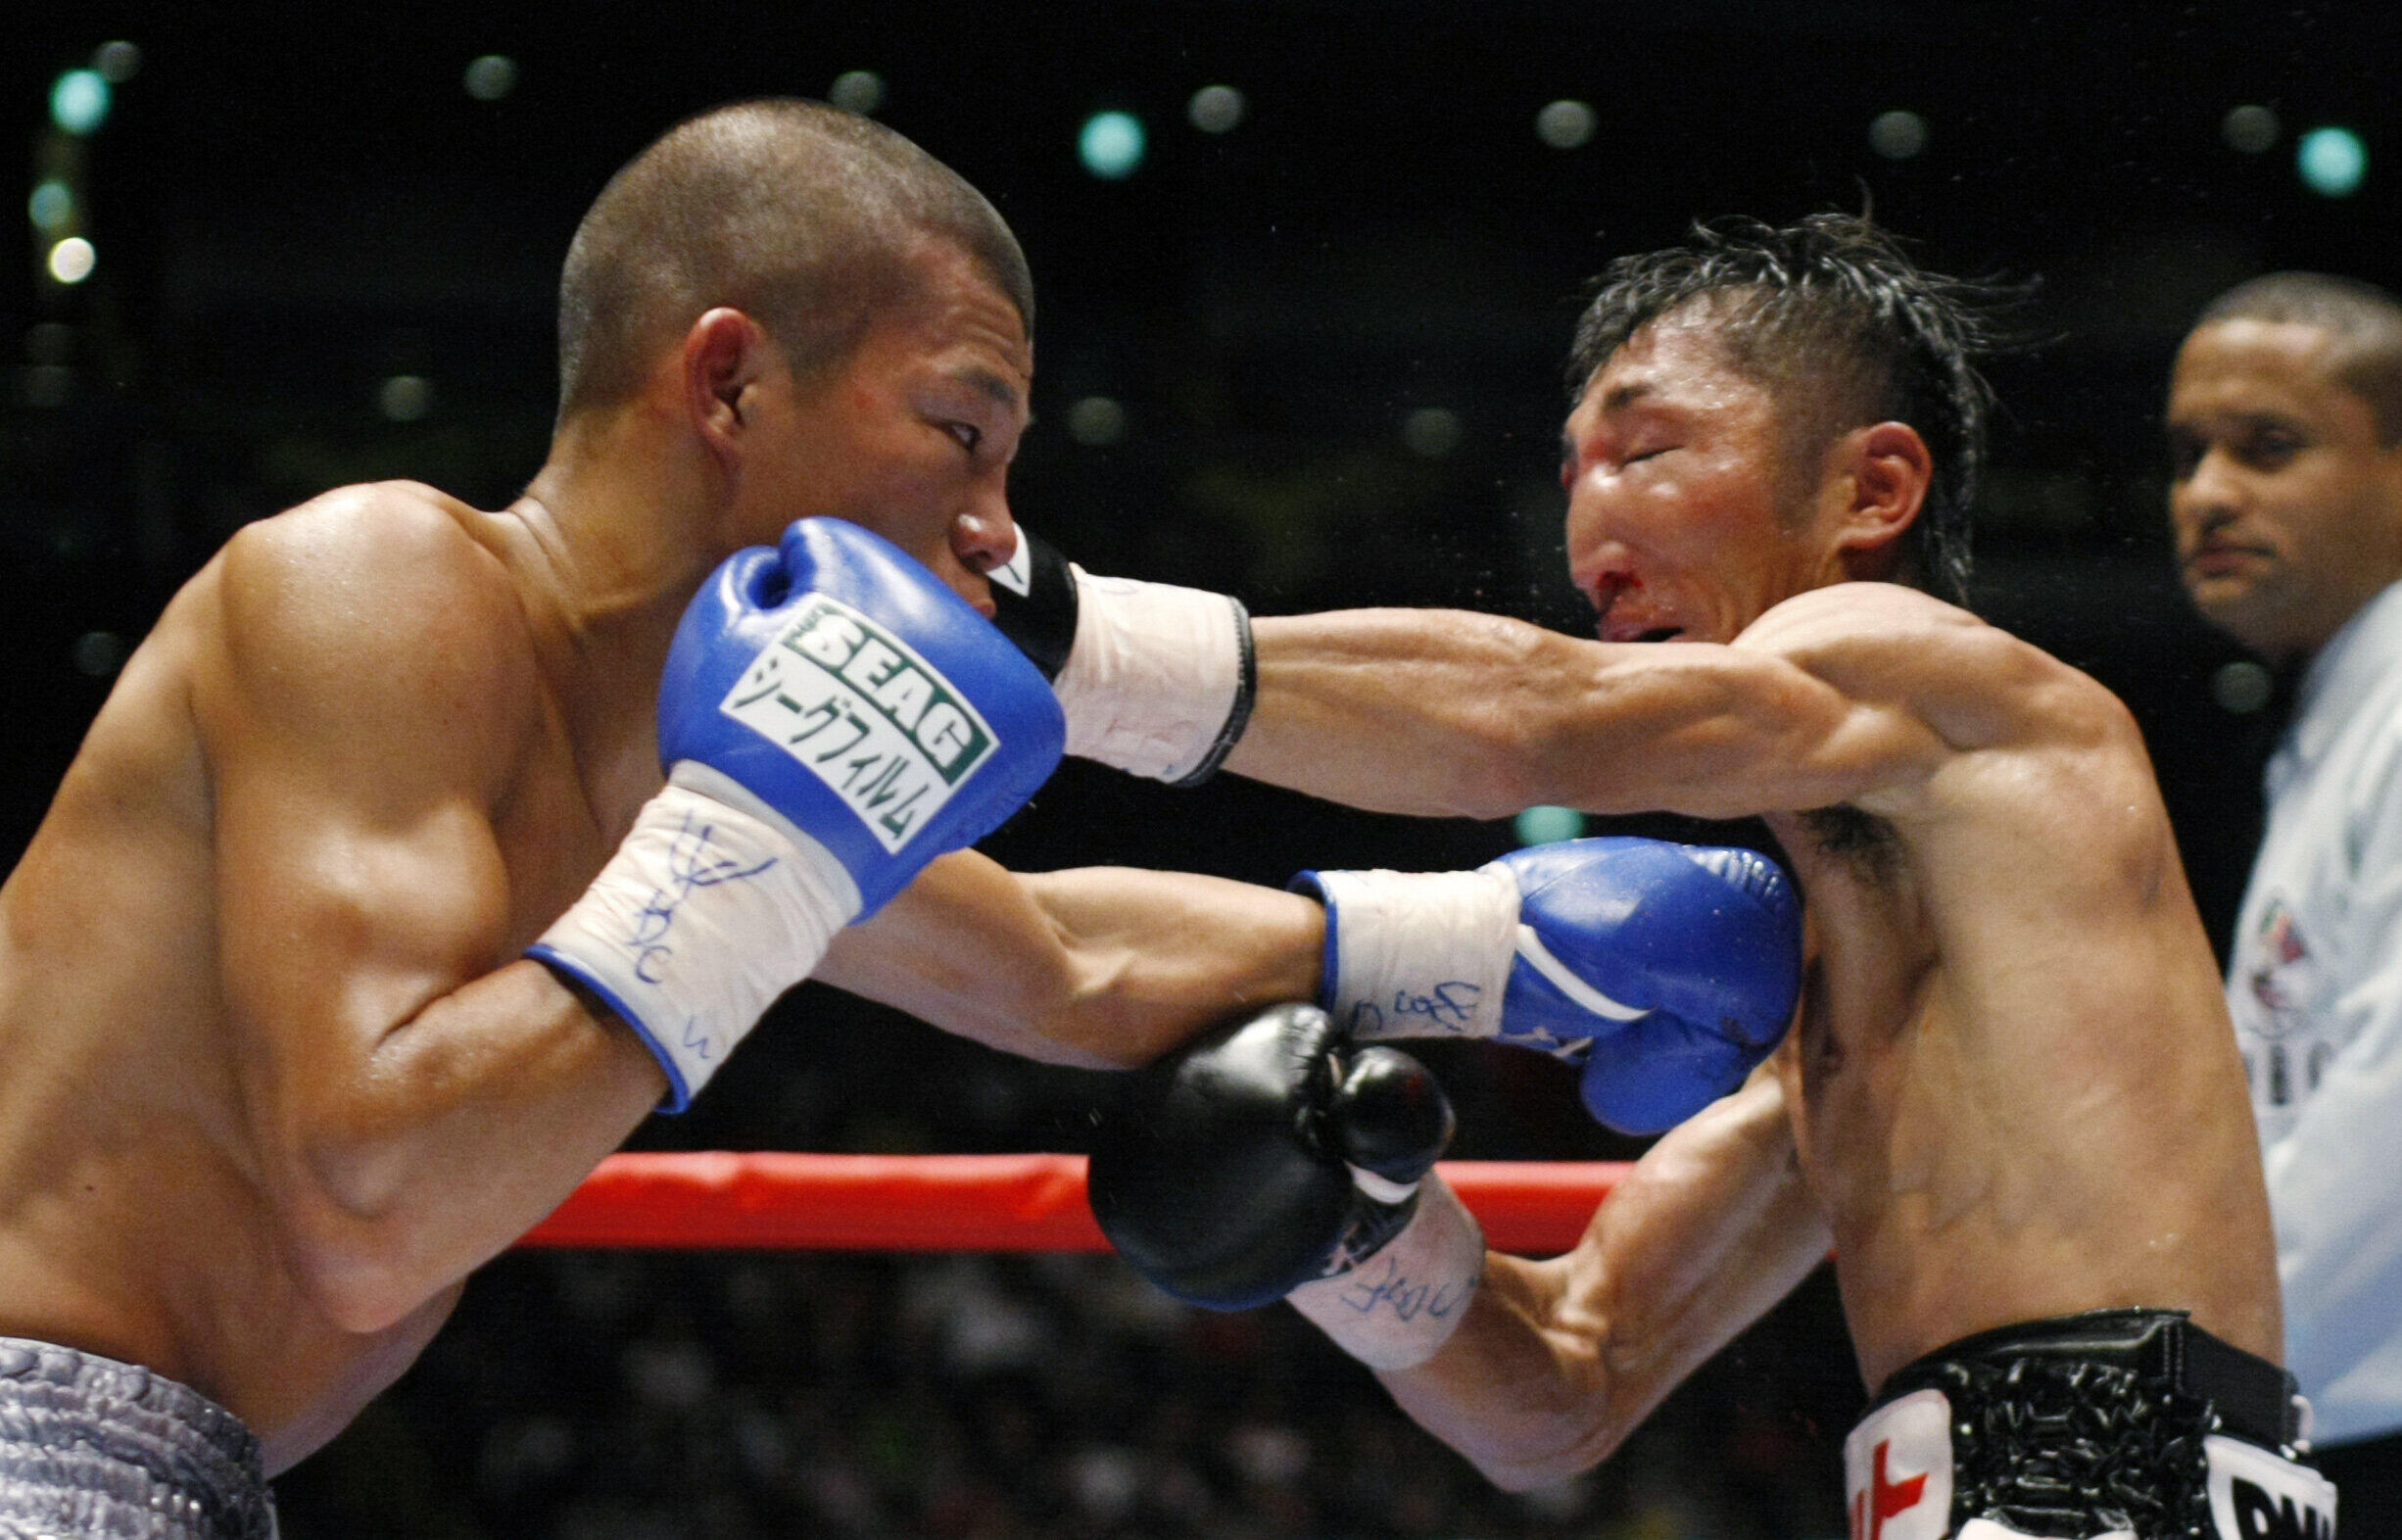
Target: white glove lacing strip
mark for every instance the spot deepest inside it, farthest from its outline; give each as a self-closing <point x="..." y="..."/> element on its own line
<point x="1158" y="683"/>
<point x="1398" y="1308"/>
<point x="714" y="906"/>
<point x="1420" y="954"/>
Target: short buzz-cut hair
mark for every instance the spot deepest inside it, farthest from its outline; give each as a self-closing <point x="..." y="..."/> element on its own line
<point x="2364" y="321"/>
<point x="802" y="215"/>
<point x="1842" y="329"/>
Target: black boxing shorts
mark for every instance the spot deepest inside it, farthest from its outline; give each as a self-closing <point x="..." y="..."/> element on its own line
<point x="98" y="1450"/>
<point x="2114" y="1422"/>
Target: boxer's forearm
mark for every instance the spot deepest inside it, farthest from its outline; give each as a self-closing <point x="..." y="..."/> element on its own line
<point x="1098" y="966"/>
<point x="1449" y="714"/>
<point x="1522" y="1389"/>
<point x="462" y="1128"/>
<point x="1559" y="1361"/>
<point x="1423" y="712"/>
<point x="1712" y="1226"/>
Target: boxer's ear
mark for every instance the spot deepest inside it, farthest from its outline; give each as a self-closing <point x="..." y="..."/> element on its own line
<point x="1878" y="477"/>
<point x="722" y="360"/>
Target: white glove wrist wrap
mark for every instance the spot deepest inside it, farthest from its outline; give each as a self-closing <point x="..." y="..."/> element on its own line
<point x="1159" y="681"/>
<point x="1420" y="955"/>
<point x="1397" y="1308"/>
<point x="714" y="906"/>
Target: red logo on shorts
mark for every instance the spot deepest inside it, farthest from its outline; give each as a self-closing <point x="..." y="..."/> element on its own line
<point x="1883" y="1499"/>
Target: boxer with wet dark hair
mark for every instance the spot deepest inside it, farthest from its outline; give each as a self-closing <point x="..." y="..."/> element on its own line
<point x="2013" y="1103"/>
<point x="422" y="851"/>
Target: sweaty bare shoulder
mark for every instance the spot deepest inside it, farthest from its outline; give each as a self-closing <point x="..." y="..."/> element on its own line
<point x="369" y="621"/>
<point x="1973" y="685"/>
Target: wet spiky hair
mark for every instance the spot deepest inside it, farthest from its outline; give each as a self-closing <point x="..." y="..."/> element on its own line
<point x="1842" y="329"/>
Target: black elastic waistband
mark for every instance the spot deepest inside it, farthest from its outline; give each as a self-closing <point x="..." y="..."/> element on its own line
<point x="2254" y="1399"/>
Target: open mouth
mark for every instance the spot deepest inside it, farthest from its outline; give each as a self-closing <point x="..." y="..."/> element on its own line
<point x="1615" y="620"/>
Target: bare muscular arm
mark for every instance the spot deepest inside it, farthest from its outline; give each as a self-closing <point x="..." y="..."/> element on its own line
<point x="1826" y="699"/>
<point x="1418" y="712"/>
<point x="416" y="1097"/>
<point x="1100" y="967"/>
<point x="1558" y="1361"/>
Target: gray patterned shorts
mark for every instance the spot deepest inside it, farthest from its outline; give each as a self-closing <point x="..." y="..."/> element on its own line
<point x="93" y="1448"/>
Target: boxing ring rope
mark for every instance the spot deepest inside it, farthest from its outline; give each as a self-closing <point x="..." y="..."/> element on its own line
<point x="719" y="1200"/>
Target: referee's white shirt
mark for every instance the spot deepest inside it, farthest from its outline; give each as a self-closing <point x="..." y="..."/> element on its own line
<point x="2315" y="986"/>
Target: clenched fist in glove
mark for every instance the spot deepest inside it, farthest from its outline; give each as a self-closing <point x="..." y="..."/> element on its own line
<point x="1274" y="1158"/>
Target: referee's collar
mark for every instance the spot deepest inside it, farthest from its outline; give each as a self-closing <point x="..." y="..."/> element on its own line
<point x="2346" y="672"/>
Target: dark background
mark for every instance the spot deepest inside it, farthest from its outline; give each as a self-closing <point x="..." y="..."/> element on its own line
<point x="291" y="208"/>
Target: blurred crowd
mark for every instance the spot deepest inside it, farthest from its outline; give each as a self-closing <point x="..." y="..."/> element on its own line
<point x="658" y="1396"/>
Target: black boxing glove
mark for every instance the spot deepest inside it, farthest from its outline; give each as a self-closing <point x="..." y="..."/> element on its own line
<point x="1155" y="678"/>
<point x="1271" y="1159"/>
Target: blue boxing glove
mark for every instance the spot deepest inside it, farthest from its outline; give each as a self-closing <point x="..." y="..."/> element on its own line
<point x="1666" y="969"/>
<point x="831" y="717"/>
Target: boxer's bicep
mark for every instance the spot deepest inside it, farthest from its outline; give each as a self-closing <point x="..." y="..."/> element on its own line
<point x="1721" y="732"/>
<point x="391" y="1045"/>
<point x="356" y="751"/>
<point x="339" y="926"/>
<point x="1906" y="686"/>
<point x="418" y="1093"/>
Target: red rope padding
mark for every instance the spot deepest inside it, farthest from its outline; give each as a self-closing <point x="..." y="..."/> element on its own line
<point x="778" y="1202"/>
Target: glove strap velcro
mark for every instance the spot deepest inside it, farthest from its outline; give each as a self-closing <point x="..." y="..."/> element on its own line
<point x="713" y="906"/>
<point x="1033" y="602"/>
<point x="1416" y="954"/>
<point x="1397" y="1307"/>
<point x="1161" y="680"/>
